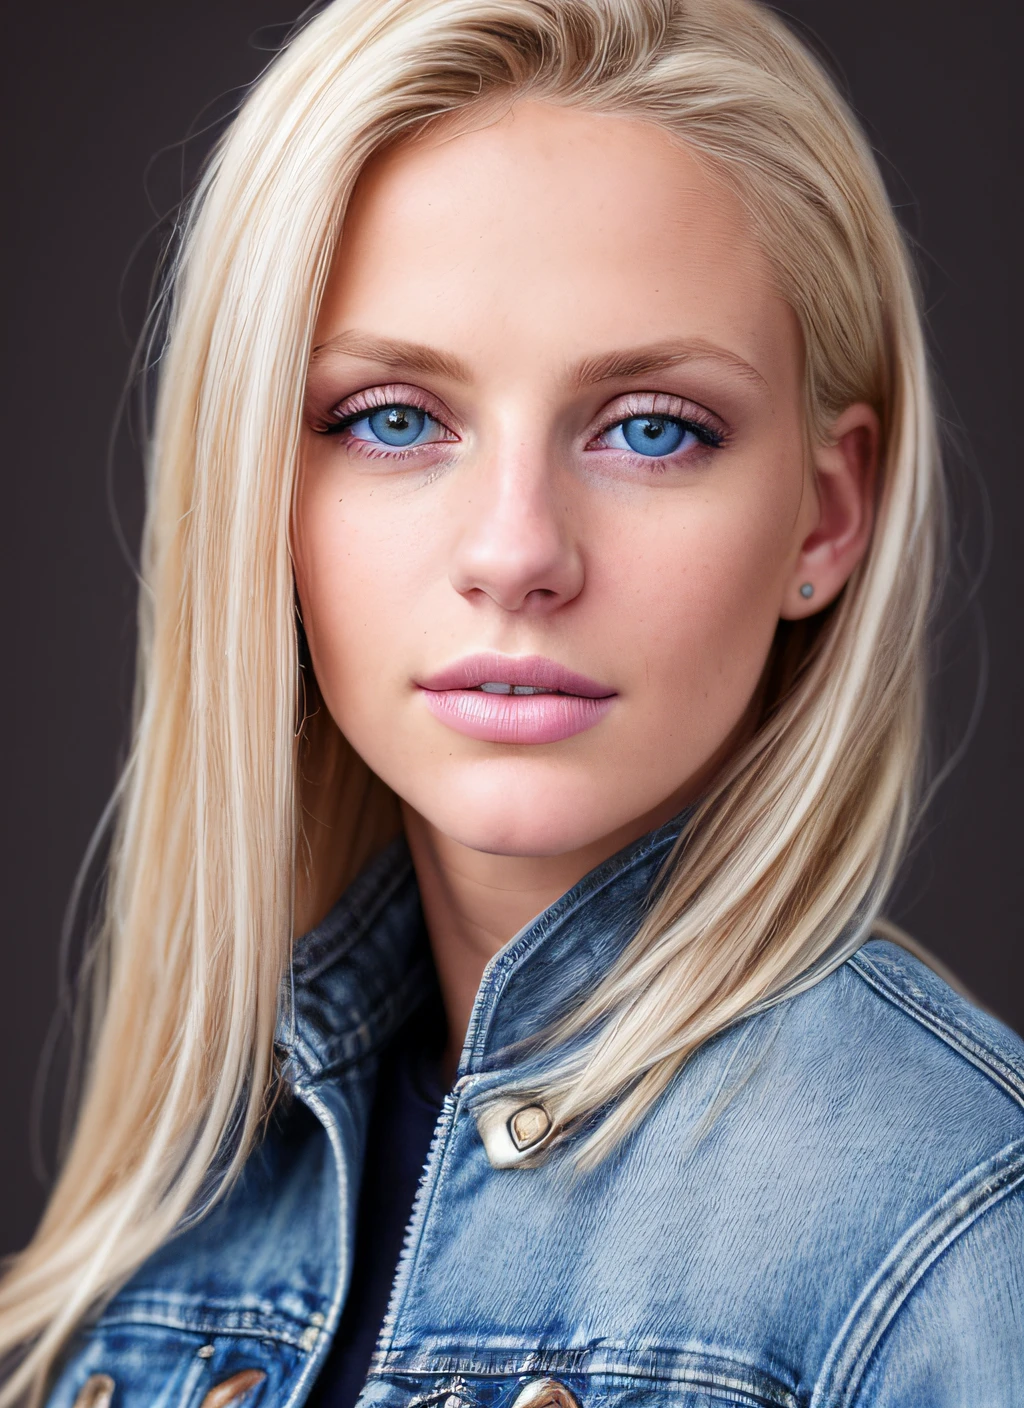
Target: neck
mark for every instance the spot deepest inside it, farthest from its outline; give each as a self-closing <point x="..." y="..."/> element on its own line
<point x="474" y="902"/>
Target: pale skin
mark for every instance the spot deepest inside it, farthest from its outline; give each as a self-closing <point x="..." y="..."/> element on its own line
<point x="524" y="283"/>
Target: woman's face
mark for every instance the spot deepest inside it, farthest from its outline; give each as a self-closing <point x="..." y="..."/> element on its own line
<point x="554" y="442"/>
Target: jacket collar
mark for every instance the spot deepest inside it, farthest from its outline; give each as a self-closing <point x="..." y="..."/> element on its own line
<point x="357" y="976"/>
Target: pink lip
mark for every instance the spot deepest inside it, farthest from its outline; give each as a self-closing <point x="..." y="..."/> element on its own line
<point x="452" y="696"/>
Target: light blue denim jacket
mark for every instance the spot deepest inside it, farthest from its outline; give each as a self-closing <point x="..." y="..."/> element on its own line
<point x="848" y="1231"/>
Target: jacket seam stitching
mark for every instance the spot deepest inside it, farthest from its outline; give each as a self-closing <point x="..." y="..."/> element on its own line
<point x="779" y="1397"/>
<point x="312" y="965"/>
<point x="320" y="1346"/>
<point x="886" y="1294"/>
<point x="516" y="953"/>
<point x="958" y="1039"/>
<point x="316" y="1071"/>
<point x="200" y="1328"/>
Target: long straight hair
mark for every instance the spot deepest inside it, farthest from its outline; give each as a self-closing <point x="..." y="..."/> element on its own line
<point x="239" y="820"/>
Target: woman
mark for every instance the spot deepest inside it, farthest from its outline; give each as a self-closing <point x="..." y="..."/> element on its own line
<point x="543" y="522"/>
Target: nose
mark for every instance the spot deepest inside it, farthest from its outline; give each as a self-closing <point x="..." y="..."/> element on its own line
<point x="516" y="544"/>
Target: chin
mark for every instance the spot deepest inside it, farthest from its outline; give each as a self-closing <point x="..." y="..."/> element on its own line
<point x="523" y="816"/>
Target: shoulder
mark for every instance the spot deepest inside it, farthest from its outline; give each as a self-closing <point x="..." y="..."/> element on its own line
<point x="880" y="1065"/>
<point x="935" y="1058"/>
<point x="875" y="1101"/>
<point x="926" y="1094"/>
<point x="919" y="1090"/>
<point x="944" y="1021"/>
<point x="841" y="1176"/>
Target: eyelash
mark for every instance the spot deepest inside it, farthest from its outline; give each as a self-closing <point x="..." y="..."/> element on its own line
<point x="375" y="399"/>
<point x="710" y="435"/>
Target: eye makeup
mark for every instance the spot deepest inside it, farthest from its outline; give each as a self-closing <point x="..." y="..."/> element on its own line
<point x="374" y="398"/>
<point x="398" y="422"/>
<point x="659" y="428"/>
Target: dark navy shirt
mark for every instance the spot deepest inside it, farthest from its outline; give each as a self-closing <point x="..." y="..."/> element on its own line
<point x="406" y="1105"/>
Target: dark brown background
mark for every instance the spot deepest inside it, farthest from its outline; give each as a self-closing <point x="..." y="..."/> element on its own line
<point x="99" y="97"/>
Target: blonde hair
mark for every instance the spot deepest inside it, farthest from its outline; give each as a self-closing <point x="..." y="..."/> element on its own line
<point x="227" y="799"/>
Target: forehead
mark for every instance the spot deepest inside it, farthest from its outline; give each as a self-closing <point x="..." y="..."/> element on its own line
<point x="554" y="230"/>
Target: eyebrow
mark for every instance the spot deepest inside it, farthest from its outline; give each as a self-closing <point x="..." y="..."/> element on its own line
<point x="658" y="357"/>
<point x="625" y="363"/>
<point x="393" y="353"/>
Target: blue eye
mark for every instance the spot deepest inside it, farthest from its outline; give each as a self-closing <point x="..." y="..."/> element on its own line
<point x="396" y="426"/>
<point x="650" y="435"/>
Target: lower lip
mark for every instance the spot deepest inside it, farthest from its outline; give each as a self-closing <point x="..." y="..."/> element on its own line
<point x="515" y="718"/>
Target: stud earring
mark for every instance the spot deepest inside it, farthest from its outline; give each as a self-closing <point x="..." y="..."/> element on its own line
<point x="807" y="590"/>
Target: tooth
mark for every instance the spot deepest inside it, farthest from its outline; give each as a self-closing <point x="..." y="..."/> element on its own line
<point x="529" y="689"/>
<point x="495" y="688"/>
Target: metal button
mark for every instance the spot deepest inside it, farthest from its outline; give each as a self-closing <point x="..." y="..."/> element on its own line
<point x="515" y="1135"/>
<point x="233" y="1389"/>
<point x="96" y="1392"/>
<point x="528" y="1126"/>
<point x="546" y="1393"/>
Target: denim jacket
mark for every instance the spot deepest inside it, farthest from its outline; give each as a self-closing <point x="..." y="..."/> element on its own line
<point x="845" y="1229"/>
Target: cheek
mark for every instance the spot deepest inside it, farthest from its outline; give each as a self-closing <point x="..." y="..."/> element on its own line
<point x="695" y="601"/>
<point x="360" y="570"/>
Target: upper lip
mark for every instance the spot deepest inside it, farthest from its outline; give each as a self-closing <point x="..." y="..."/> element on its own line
<point x="536" y="670"/>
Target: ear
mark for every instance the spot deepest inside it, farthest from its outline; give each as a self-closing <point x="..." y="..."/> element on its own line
<point x="845" y="470"/>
